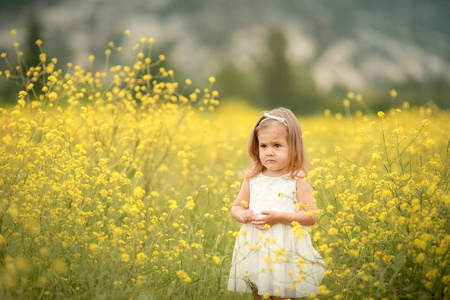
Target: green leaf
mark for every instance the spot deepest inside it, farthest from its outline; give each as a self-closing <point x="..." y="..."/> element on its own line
<point x="143" y="297"/>
<point x="399" y="261"/>
<point x="414" y="286"/>
<point x="170" y="290"/>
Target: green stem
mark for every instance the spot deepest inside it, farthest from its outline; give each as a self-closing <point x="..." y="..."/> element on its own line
<point x="388" y="166"/>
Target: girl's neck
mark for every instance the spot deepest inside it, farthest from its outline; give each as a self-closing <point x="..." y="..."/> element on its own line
<point x="280" y="173"/>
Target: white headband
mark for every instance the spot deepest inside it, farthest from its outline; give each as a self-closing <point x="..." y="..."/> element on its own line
<point x="270" y="117"/>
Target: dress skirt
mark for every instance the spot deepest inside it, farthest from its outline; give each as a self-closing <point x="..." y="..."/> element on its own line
<point x="280" y="261"/>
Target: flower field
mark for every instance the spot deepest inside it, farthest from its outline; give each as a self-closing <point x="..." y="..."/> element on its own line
<point x="119" y="184"/>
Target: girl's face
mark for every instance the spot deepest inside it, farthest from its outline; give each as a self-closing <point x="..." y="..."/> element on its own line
<point x="274" y="150"/>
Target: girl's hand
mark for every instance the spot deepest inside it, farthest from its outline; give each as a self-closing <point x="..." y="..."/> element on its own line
<point x="268" y="218"/>
<point x="247" y="216"/>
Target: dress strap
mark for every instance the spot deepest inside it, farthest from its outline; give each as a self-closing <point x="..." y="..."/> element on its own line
<point x="300" y="174"/>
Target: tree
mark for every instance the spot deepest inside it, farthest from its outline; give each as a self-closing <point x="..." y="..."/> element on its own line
<point x="31" y="55"/>
<point x="282" y="83"/>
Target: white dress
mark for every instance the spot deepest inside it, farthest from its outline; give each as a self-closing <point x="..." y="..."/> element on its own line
<point x="274" y="260"/>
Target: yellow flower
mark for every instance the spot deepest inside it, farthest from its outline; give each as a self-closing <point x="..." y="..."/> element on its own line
<point x="59" y="266"/>
<point x="125" y="257"/>
<point x="173" y="204"/>
<point x="323" y="290"/>
<point x="141" y="257"/>
<point x="141" y="280"/>
<point x="183" y="275"/>
<point x="190" y="204"/>
<point x="393" y="93"/>
<point x="13" y="212"/>
<point x="138" y="193"/>
<point x="45" y="252"/>
<point x="375" y="156"/>
<point x="42" y="281"/>
<point x="104" y="193"/>
<point x="353" y="252"/>
<point x="432" y="274"/>
<point x="21" y="263"/>
<point x="2" y="240"/>
<point x="420" y="244"/>
<point x="332" y="231"/>
<point x="216" y="259"/>
<point x="420" y="258"/>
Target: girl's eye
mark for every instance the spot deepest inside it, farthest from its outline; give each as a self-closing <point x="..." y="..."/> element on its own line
<point x="277" y="145"/>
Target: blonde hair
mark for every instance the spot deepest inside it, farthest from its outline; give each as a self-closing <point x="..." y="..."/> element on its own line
<point x="297" y="155"/>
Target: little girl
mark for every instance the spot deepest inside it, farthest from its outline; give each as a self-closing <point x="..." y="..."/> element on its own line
<point x="273" y="254"/>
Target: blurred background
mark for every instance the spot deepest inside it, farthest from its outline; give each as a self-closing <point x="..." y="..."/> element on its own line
<point x="305" y="55"/>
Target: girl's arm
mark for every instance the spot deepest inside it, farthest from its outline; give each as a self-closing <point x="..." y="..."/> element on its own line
<point x="240" y="211"/>
<point x="307" y="215"/>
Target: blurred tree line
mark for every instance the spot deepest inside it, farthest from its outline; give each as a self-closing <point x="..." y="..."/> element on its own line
<point x="276" y="82"/>
<point x="273" y="81"/>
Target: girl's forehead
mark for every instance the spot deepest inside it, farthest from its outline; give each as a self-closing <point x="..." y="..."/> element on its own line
<point x="273" y="130"/>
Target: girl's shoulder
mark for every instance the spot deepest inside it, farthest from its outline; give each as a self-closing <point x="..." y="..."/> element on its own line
<point x="302" y="181"/>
